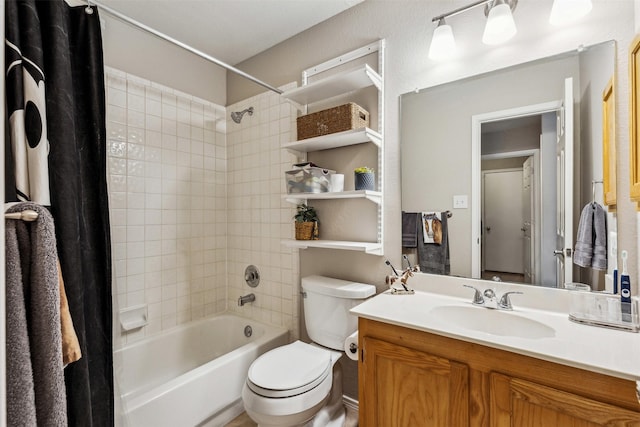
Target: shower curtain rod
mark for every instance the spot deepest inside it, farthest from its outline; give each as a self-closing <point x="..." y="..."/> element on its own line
<point x="185" y="46"/>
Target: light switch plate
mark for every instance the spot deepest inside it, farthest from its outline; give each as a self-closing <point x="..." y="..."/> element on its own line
<point x="461" y="202"/>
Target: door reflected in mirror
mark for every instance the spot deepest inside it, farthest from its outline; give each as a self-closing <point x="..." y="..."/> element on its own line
<point x="522" y="240"/>
<point x="524" y="145"/>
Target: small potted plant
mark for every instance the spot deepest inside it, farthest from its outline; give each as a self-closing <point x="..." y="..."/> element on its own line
<point x="306" y="222"/>
<point x="364" y="178"/>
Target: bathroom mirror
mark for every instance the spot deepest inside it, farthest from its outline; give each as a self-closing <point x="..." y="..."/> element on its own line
<point x="486" y="149"/>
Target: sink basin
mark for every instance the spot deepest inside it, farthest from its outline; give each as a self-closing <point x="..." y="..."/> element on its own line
<point x="494" y="322"/>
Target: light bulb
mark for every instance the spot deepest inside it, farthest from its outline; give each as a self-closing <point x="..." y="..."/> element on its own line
<point x="567" y="11"/>
<point x="443" y="44"/>
<point x="500" y="25"/>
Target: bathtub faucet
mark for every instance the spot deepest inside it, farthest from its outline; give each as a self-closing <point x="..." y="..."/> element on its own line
<point x="245" y="299"/>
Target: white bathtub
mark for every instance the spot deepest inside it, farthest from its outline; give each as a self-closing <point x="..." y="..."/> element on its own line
<point x="190" y="374"/>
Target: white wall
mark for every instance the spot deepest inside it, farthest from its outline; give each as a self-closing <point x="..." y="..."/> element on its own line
<point x="406" y="26"/>
<point x="594" y="75"/>
<point x="142" y="54"/>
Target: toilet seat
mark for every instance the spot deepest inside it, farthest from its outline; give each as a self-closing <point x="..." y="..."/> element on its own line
<point x="289" y="370"/>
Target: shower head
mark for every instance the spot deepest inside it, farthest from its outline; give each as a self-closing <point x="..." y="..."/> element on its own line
<point x="236" y="116"/>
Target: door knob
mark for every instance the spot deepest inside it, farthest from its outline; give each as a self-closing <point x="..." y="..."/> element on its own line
<point x="559" y="252"/>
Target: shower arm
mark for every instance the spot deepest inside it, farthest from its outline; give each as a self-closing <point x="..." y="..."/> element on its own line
<point x="185" y="46"/>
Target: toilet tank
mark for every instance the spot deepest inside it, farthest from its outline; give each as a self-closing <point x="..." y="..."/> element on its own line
<point x="327" y="302"/>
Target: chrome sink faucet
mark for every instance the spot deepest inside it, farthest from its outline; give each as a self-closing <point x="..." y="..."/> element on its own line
<point x="489" y="299"/>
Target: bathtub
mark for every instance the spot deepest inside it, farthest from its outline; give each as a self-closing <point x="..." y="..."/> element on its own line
<point x="193" y="374"/>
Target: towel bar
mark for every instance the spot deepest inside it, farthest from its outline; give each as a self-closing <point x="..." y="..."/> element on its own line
<point x="26" y="215"/>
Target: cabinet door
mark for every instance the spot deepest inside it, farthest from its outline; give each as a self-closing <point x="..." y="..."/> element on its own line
<point x="403" y="387"/>
<point x="516" y="402"/>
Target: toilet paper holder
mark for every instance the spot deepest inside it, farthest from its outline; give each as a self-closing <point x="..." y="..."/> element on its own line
<point x="353" y="348"/>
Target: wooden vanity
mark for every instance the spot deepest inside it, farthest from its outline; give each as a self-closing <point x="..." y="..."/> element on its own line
<point x="412" y="378"/>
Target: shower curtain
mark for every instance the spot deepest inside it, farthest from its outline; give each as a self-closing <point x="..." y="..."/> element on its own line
<point x="67" y="47"/>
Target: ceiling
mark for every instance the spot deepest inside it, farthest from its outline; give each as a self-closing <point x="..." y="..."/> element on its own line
<point x="230" y="30"/>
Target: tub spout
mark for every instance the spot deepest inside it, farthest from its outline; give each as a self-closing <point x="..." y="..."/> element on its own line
<point x="245" y="299"/>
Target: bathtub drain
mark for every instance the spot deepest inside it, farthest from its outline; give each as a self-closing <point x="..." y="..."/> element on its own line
<point x="248" y="331"/>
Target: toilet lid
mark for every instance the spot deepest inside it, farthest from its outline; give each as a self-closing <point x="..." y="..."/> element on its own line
<point x="289" y="370"/>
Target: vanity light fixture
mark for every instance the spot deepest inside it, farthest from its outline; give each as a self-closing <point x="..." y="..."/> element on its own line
<point x="567" y="11"/>
<point x="443" y="44"/>
<point x="500" y="25"/>
<point x="499" y="28"/>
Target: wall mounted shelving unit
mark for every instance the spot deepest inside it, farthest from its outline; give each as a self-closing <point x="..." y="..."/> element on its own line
<point x="355" y="77"/>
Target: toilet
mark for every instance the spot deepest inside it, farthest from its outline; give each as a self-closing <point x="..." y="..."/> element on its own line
<point x="300" y="384"/>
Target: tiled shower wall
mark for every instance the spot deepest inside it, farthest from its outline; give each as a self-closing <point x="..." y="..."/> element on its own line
<point x="167" y="195"/>
<point x="259" y="218"/>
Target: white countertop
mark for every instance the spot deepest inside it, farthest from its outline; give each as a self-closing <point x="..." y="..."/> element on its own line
<point x="607" y="351"/>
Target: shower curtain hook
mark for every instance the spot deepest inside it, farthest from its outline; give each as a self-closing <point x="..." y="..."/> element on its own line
<point x="89" y="9"/>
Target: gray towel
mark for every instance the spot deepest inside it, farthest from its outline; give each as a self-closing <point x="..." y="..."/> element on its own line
<point x="591" y="241"/>
<point x="35" y="377"/>
<point x="21" y="400"/>
<point x="583" y="253"/>
<point x="433" y="257"/>
<point x="410" y="229"/>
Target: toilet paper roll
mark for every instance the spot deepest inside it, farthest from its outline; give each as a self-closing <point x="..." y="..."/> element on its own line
<point x="351" y="346"/>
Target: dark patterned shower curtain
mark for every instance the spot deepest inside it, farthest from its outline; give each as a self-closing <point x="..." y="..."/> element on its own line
<point x="56" y="50"/>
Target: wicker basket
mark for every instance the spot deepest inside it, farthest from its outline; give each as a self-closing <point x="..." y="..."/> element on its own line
<point x="306" y="230"/>
<point x="337" y="119"/>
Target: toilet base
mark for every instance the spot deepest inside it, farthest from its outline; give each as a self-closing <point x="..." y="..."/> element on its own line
<point x="331" y="414"/>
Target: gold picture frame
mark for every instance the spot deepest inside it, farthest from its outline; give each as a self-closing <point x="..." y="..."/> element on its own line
<point x="634" y="119"/>
<point x="609" y="145"/>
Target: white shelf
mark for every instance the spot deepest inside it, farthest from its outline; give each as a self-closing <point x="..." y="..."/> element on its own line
<point x="337" y="84"/>
<point x="366" y="247"/>
<point x="360" y="76"/>
<point x="335" y="140"/>
<point x="374" y="196"/>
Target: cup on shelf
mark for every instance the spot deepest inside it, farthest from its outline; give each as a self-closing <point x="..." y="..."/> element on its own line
<point x="337" y="182"/>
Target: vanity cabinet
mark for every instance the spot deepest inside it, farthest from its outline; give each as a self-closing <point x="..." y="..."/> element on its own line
<point x="409" y="387"/>
<point x="517" y="402"/>
<point x="346" y="76"/>
<point x="411" y="378"/>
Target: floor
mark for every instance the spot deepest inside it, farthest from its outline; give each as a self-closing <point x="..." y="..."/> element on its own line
<point x="243" y="420"/>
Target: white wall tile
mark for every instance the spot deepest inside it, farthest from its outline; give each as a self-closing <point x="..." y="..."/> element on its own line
<point x="258" y="219"/>
<point x="190" y="190"/>
<point x="151" y="130"/>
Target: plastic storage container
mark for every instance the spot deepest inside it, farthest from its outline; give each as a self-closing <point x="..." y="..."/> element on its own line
<point x="605" y="310"/>
<point x="308" y="179"/>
